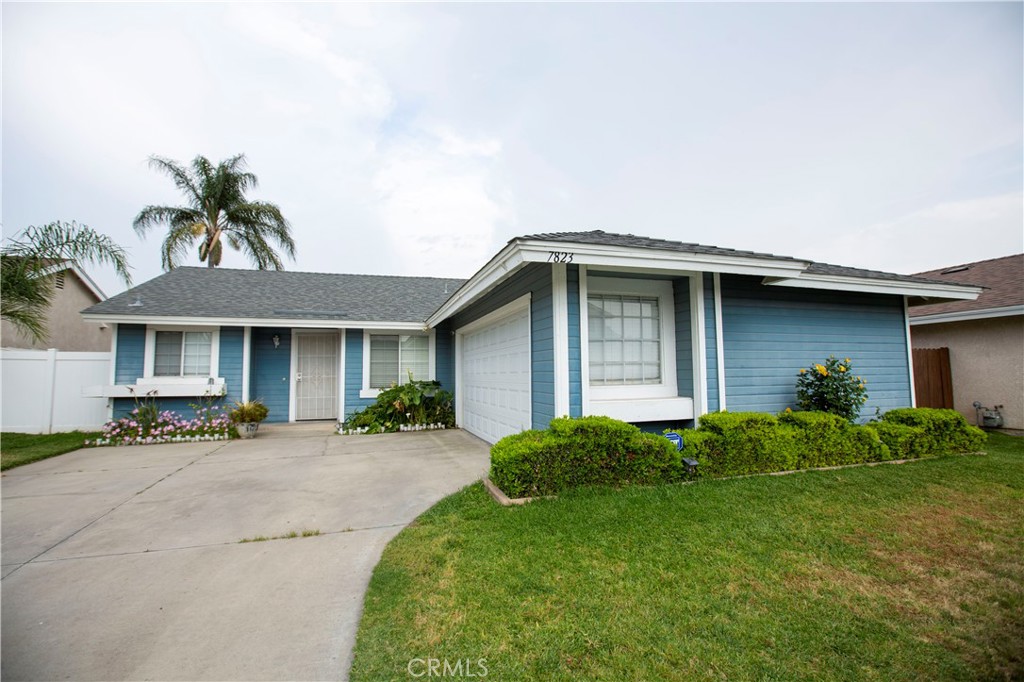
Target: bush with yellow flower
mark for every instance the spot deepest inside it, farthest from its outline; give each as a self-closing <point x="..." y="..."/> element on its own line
<point x="832" y="387"/>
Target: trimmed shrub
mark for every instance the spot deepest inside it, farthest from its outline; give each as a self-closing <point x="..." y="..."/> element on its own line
<point x="826" y="439"/>
<point x="904" y="442"/>
<point x="577" y="452"/>
<point x="746" y="443"/>
<point x="947" y="431"/>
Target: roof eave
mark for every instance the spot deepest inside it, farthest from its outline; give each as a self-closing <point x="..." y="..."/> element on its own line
<point x="935" y="292"/>
<point x="299" y="323"/>
<point x="967" y="315"/>
<point x="519" y="252"/>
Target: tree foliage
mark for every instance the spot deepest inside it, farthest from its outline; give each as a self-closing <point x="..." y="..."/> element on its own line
<point x="216" y="210"/>
<point x="30" y="260"/>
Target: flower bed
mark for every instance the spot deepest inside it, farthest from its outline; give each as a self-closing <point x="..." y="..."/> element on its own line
<point x="146" y="426"/>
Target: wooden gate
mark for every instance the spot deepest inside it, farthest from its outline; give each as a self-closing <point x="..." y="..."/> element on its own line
<point x="933" y="381"/>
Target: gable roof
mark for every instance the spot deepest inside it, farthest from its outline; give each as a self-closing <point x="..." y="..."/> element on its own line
<point x="276" y="297"/>
<point x="598" y="249"/>
<point x="1003" y="279"/>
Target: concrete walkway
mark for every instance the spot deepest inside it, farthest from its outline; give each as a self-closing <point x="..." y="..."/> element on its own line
<point x="125" y="563"/>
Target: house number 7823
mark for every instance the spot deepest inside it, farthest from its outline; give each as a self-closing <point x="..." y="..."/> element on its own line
<point x="559" y="257"/>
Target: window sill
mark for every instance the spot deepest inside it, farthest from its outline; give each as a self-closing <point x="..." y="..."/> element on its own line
<point x="370" y="393"/>
<point x="645" y="409"/>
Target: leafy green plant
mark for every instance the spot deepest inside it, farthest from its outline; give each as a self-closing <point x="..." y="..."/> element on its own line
<point x="584" y="451"/>
<point x="408" y="404"/>
<point x="249" y="412"/>
<point x="831" y="387"/>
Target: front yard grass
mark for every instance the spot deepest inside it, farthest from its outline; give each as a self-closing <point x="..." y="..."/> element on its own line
<point x="893" y="572"/>
<point x="17" y="449"/>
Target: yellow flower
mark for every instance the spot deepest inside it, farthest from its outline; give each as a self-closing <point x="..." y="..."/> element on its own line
<point x="841" y="368"/>
<point x="847" y="360"/>
<point x="802" y="370"/>
<point x="821" y="370"/>
<point x="789" y="410"/>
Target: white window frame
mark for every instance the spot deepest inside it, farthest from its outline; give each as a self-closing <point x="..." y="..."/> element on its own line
<point x="150" y="357"/>
<point x="366" y="391"/>
<point x="649" y="288"/>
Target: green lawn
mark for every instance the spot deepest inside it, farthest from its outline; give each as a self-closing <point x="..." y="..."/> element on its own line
<point x="24" y="448"/>
<point x="894" y="572"/>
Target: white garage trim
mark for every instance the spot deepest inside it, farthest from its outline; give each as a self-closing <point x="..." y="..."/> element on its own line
<point x="515" y="307"/>
<point x="560" y="324"/>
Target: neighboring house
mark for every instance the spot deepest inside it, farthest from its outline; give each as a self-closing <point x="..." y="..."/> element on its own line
<point x="985" y="337"/>
<point x="66" y="330"/>
<point x="650" y="331"/>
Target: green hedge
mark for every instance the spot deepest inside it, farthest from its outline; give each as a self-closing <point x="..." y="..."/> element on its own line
<point x="587" y="451"/>
<point x="738" y="443"/>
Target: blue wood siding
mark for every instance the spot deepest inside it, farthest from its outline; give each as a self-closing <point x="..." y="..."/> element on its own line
<point x="184" y="407"/>
<point x="711" y="343"/>
<point x="270" y="377"/>
<point x="444" y="356"/>
<point x="684" y="337"/>
<point x="231" y="341"/>
<point x="130" y="355"/>
<point x="354" y="372"/>
<point x="535" y="279"/>
<point x="771" y="332"/>
<point x="572" y="279"/>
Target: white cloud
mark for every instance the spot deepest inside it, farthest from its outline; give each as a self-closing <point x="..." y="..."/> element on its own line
<point x="945" y="234"/>
<point x="442" y="210"/>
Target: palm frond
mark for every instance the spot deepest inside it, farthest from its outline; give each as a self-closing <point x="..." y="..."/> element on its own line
<point x="180" y="176"/>
<point x="60" y="241"/>
<point x="180" y="237"/>
<point x="26" y="295"/>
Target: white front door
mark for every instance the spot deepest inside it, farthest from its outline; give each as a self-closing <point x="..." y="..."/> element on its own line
<point x="494" y="368"/>
<point x="316" y="376"/>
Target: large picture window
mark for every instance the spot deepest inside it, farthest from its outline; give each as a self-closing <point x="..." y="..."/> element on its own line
<point x="625" y="340"/>
<point x="394" y="356"/>
<point x="182" y="354"/>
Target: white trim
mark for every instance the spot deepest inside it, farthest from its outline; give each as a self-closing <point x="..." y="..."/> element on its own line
<point x="78" y="272"/>
<point x="539" y="251"/>
<point x="342" y="339"/>
<point x="511" y="308"/>
<point x="646" y="409"/>
<point x="113" y="369"/>
<point x="292" y="369"/>
<point x="371" y="393"/>
<point x="560" y="330"/>
<point x="719" y="342"/>
<point x="662" y="289"/>
<point x="252" y="321"/>
<point x="910" y="352"/>
<point x="585" y="342"/>
<point x="502" y="265"/>
<point x="876" y="286"/>
<point x="187" y="387"/>
<point x="246" y="361"/>
<point x="150" y="349"/>
<point x="967" y="315"/>
<point x="698" y="346"/>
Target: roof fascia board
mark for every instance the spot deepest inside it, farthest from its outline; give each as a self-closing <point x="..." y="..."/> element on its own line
<point x="600" y="255"/>
<point x="967" y="315"/>
<point x="79" y="272"/>
<point x="252" y="322"/>
<point x="506" y="262"/>
<point x="877" y="286"/>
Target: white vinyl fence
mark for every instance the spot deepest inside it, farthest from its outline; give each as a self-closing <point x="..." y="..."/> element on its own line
<point x="42" y="390"/>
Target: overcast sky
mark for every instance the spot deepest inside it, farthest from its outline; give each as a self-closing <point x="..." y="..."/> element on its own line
<point x="418" y="139"/>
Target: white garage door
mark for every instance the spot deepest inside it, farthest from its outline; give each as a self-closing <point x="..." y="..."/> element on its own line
<point x="495" y="375"/>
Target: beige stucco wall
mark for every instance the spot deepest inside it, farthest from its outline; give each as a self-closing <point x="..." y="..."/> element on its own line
<point x="67" y="330"/>
<point x="986" y="360"/>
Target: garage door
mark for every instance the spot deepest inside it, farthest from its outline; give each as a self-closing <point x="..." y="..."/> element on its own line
<point x="495" y="375"/>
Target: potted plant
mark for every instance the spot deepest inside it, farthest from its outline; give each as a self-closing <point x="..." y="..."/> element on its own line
<point x="247" y="416"/>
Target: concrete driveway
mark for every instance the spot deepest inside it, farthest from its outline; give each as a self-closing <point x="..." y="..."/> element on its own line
<point x="125" y="563"/>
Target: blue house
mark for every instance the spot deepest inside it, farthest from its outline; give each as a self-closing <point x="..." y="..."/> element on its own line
<point x="650" y="331"/>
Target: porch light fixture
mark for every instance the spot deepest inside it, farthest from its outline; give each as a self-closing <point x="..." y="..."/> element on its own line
<point x="277" y="340"/>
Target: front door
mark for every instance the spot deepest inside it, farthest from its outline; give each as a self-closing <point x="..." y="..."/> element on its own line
<point x="316" y="376"/>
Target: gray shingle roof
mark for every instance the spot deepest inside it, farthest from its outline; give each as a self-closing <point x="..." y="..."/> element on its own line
<point x="222" y="292"/>
<point x="1003" y="279"/>
<point x="599" y="237"/>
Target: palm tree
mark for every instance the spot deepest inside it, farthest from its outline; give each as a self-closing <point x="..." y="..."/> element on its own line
<point x="27" y="269"/>
<point x="216" y="208"/>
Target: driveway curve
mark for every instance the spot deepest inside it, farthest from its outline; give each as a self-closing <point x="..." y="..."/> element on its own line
<point x="126" y="563"/>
